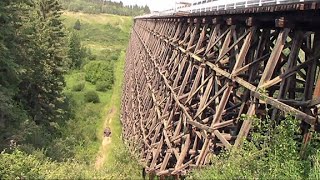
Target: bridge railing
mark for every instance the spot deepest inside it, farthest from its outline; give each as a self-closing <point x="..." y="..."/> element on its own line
<point x="206" y="6"/>
<point x="235" y="4"/>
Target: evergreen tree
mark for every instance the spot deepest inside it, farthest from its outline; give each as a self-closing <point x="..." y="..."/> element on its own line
<point x="43" y="82"/>
<point x="77" y="25"/>
<point x="75" y="52"/>
<point x="11" y="114"/>
<point x="146" y="9"/>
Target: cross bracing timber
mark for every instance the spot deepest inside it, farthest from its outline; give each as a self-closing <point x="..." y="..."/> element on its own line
<point x="189" y="80"/>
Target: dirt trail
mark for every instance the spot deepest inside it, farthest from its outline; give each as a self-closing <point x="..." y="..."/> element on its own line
<point x="105" y="141"/>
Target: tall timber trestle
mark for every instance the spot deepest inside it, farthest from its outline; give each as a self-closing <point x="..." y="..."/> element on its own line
<point x="189" y="79"/>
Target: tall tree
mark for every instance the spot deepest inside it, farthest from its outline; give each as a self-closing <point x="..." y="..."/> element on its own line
<point x="146" y="9"/>
<point x="11" y="114"/>
<point x="75" y="52"/>
<point x="43" y="82"/>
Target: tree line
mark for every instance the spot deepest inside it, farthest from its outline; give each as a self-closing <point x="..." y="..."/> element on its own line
<point x="103" y="6"/>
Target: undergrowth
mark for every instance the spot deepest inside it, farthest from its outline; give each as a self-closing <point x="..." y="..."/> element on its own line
<point x="271" y="152"/>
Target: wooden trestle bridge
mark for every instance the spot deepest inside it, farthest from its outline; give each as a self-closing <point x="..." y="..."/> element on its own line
<point x="189" y="78"/>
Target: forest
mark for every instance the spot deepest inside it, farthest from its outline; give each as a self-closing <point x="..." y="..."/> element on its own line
<point x="103" y="6"/>
<point x="61" y="78"/>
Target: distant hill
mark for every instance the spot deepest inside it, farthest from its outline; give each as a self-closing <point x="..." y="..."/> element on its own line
<point x="103" y="6"/>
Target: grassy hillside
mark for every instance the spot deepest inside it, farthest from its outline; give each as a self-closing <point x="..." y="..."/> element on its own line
<point x="102" y="33"/>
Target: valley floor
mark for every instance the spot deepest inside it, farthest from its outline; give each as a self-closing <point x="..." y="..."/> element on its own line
<point x="106" y="36"/>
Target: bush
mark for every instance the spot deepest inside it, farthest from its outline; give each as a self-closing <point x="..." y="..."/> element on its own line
<point x="90" y="55"/>
<point x="114" y="55"/>
<point x="103" y="86"/>
<point x="19" y="165"/>
<point x="99" y="71"/>
<point x="78" y="87"/>
<point x="77" y="25"/>
<point x="92" y="96"/>
<point x="111" y="54"/>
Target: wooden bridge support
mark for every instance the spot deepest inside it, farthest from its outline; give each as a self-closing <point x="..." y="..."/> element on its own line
<point x="188" y="80"/>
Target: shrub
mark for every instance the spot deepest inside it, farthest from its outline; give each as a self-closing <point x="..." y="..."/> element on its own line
<point x="90" y="55"/>
<point x="115" y="55"/>
<point x="99" y="71"/>
<point x="19" y="165"/>
<point x="78" y="87"/>
<point x="92" y="96"/>
<point x="111" y="54"/>
<point x="103" y="86"/>
<point x="77" y="25"/>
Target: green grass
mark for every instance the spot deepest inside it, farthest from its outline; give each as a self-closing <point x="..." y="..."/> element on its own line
<point x="119" y="162"/>
<point x="77" y="76"/>
<point x="101" y="33"/>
